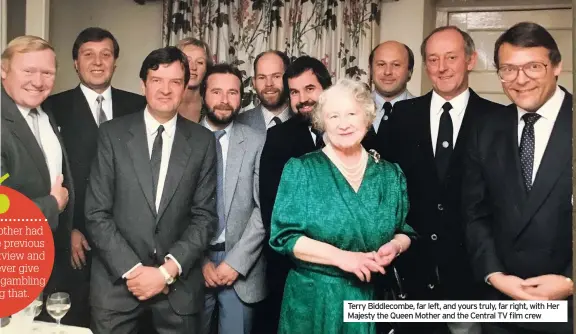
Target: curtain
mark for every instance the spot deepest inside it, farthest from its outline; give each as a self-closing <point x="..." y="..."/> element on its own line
<point x="341" y="33"/>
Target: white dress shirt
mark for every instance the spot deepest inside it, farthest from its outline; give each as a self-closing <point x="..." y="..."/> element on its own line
<point x="543" y="127"/>
<point x="49" y="140"/>
<point x="167" y="140"/>
<point x="379" y="101"/>
<point x="459" y="104"/>
<point x="91" y="97"/>
<point x="224" y="143"/>
<point x="268" y="116"/>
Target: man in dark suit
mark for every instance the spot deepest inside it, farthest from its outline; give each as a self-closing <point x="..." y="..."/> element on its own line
<point x="79" y="112"/>
<point x="269" y="67"/>
<point x="517" y="194"/>
<point x="151" y="209"/>
<point x="427" y="138"/>
<point x="32" y="149"/>
<point x="391" y="66"/>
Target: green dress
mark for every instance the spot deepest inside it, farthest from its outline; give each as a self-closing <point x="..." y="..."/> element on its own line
<point x="315" y="200"/>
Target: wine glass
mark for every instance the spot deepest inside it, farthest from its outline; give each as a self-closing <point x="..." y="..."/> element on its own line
<point x="57" y="306"/>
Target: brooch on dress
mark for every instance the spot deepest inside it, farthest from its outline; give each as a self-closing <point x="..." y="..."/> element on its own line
<point x="375" y="155"/>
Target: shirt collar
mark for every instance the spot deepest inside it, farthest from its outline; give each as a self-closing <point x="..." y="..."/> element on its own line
<point x="228" y="128"/>
<point x="550" y="109"/>
<point x="152" y="124"/>
<point x="458" y="103"/>
<point x="91" y="95"/>
<point x="25" y="111"/>
<point x="268" y="115"/>
<point x="380" y="100"/>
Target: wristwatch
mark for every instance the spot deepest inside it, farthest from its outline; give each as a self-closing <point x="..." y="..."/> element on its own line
<point x="169" y="279"/>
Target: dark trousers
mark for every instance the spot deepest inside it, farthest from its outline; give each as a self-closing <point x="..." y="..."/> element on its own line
<point x="267" y="312"/>
<point x="155" y="316"/>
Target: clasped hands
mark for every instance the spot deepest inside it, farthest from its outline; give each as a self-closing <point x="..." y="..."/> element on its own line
<point x="221" y="275"/>
<point x="146" y="282"/>
<point x="363" y="264"/>
<point x="545" y="287"/>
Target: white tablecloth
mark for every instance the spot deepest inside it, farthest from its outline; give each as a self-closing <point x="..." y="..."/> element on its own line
<point x="15" y="327"/>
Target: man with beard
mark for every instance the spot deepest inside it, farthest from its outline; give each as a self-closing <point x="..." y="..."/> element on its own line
<point x="199" y="60"/>
<point x="233" y="269"/>
<point x="391" y="65"/>
<point x="306" y="78"/>
<point x="269" y="66"/>
<point x="79" y="112"/>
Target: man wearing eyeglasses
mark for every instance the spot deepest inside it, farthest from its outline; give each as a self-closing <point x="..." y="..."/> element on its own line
<point x="518" y="182"/>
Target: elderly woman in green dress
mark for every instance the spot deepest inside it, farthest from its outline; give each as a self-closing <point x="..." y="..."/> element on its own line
<point x="340" y="214"/>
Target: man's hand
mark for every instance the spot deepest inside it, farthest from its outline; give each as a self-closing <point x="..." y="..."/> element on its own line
<point x="145" y="282"/>
<point x="60" y="193"/>
<point x="211" y="278"/>
<point x="513" y="287"/>
<point x="551" y="287"/>
<point x="78" y="244"/>
<point x="226" y="273"/>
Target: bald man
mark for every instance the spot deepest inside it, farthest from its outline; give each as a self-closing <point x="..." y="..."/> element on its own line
<point x="391" y="66"/>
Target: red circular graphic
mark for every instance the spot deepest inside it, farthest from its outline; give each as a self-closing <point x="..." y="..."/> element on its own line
<point x="26" y="251"/>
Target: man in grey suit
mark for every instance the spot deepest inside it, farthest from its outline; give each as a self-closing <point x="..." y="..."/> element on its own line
<point x="233" y="269"/>
<point x="151" y="209"/>
<point x="32" y="149"/>
<point x="269" y="66"/>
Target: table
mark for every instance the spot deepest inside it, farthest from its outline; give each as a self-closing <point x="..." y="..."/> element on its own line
<point x="15" y="327"/>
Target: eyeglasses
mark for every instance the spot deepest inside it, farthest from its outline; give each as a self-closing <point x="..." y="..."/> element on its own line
<point x="534" y="71"/>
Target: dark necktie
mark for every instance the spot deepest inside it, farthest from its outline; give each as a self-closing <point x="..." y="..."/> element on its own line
<point x="319" y="143"/>
<point x="156" y="159"/>
<point x="101" y="114"/>
<point x="276" y="120"/>
<point x="384" y="121"/>
<point x="527" y="148"/>
<point x="219" y="182"/>
<point x="444" y="142"/>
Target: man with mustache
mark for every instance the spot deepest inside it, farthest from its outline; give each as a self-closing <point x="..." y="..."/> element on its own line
<point x="306" y="78"/>
<point x="233" y="269"/>
<point x="199" y="60"/>
<point x="79" y="112"/>
<point x="269" y="66"/>
<point x="427" y="138"/>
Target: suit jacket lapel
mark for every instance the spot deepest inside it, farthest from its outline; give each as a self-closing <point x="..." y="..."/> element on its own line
<point x="21" y="130"/>
<point x="138" y="150"/>
<point x="465" y="128"/>
<point x="179" y="157"/>
<point x="425" y="142"/>
<point x="555" y="160"/>
<point x="83" y="111"/>
<point x="260" y="121"/>
<point x="236" y="150"/>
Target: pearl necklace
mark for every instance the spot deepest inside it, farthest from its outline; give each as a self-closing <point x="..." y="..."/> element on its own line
<point x="353" y="174"/>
